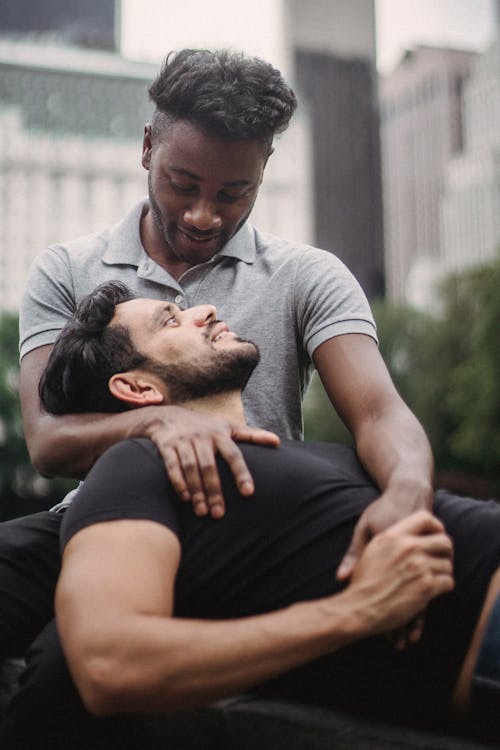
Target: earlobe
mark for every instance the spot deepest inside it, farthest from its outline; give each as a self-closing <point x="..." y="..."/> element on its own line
<point x="135" y="389"/>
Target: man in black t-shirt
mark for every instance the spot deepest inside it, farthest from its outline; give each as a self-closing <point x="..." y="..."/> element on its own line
<point x="159" y="610"/>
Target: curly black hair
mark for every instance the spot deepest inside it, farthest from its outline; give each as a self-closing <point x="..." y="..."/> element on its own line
<point x="231" y="96"/>
<point x="87" y="353"/>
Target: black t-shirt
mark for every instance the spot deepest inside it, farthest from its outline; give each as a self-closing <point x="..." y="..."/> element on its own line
<point x="283" y="545"/>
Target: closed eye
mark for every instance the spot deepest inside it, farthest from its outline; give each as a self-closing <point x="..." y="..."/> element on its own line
<point x="185" y="189"/>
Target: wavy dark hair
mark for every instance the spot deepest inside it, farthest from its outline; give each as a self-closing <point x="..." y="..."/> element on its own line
<point x="231" y="96"/>
<point x="87" y="353"/>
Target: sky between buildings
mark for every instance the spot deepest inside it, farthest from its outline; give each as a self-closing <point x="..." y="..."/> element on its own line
<point x="149" y="30"/>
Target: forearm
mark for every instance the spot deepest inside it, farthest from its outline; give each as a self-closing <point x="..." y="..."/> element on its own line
<point x="69" y="445"/>
<point x="395" y="451"/>
<point x="155" y="664"/>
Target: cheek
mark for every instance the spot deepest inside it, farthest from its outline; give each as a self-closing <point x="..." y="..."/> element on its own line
<point x="237" y="215"/>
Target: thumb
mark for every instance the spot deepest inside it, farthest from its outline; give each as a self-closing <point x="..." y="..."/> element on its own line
<point x="354" y="552"/>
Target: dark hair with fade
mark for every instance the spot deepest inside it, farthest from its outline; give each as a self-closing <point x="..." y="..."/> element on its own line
<point x="87" y="353"/>
<point x="231" y="96"/>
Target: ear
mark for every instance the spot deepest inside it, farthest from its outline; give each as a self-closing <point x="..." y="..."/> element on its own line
<point x="270" y="153"/>
<point x="147" y="146"/>
<point x="136" y="389"/>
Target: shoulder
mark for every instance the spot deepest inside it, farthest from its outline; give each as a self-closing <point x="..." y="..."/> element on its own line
<point x="306" y="260"/>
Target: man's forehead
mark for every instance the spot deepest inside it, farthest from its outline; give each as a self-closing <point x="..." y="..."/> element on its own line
<point x="133" y="309"/>
<point x="188" y="145"/>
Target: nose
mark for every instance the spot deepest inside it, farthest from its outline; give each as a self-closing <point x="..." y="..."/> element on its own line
<point x="202" y="216"/>
<point x="201" y="315"/>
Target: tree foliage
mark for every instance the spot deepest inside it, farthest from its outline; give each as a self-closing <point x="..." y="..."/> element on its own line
<point x="22" y="490"/>
<point x="447" y="368"/>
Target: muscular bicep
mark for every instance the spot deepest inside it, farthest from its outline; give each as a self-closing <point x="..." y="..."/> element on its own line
<point x="113" y="572"/>
<point x="355" y="378"/>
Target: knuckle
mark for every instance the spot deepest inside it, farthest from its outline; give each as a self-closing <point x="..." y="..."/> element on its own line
<point x="427" y="584"/>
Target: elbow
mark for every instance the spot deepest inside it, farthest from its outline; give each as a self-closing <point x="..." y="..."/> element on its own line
<point x="41" y="452"/>
<point x="103" y="686"/>
<point x="50" y="457"/>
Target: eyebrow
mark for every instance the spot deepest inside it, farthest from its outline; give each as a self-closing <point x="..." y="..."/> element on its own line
<point x="193" y="176"/>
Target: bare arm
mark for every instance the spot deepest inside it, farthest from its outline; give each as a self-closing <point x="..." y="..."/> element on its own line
<point x="390" y="441"/>
<point x="188" y="442"/>
<point x="127" y="653"/>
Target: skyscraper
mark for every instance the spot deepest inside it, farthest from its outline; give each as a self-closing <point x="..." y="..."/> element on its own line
<point x="470" y="209"/>
<point x="333" y="43"/>
<point x="88" y="23"/>
<point x="422" y="129"/>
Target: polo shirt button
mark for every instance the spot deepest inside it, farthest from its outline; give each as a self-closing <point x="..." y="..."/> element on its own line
<point x="178" y="299"/>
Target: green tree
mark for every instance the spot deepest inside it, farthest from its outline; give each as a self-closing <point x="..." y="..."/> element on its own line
<point x="472" y="307"/>
<point x="22" y="489"/>
<point x="447" y="369"/>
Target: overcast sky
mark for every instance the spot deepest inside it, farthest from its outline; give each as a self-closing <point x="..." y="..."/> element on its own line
<point x="150" y="29"/>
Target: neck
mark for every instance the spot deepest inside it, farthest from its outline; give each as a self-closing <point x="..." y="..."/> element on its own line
<point x="227" y="405"/>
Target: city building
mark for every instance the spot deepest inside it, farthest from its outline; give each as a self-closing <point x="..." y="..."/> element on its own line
<point x="333" y="53"/>
<point x="421" y="130"/>
<point x="470" y="209"/>
<point x="70" y="133"/>
<point x="87" y="23"/>
<point x="71" y="121"/>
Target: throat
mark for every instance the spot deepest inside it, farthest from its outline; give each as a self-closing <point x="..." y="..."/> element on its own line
<point x="226" y="405"/>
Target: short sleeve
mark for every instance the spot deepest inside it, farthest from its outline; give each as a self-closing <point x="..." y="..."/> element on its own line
<point x="128" y="481"/>
<point x="48" y="300"/>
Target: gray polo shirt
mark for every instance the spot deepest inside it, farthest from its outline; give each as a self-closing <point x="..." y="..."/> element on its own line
<point x="287" y="298"/>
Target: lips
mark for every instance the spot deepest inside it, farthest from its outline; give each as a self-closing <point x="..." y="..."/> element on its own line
<point x="218" y="330"/>
<point x="200" y="237"/>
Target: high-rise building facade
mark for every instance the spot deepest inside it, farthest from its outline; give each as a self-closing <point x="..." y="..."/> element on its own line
<point x="70" y="138"/>
<point x="87" y="23"/>
<point x="333" y="44"/>
<point x="470" y="209"/>
<point x="421" y="130"/>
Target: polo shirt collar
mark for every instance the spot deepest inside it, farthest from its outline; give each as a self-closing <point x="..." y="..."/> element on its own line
<point x="125" y="246"/>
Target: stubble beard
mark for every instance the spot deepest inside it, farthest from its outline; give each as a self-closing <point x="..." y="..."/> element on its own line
<point x="220" y="372"/>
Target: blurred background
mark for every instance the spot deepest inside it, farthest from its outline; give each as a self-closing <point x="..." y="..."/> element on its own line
<point x="392" y="162"/>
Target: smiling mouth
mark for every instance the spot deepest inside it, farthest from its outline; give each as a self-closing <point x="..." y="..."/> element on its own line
<point x="199" y="237"/>
<point x="219" y="330"/>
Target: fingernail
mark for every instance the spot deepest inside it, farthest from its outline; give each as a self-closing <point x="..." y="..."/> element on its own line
<point x="246" y="488"/>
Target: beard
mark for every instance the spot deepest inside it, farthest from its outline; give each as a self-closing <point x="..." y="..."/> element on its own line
<point x="218" y="372"/>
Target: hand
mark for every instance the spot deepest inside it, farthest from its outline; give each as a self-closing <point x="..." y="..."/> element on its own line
<point x="400" y="571"/>
<point x="379" y="516"/>
<point x="188" y="443"/>
<point x="410" y="633"/>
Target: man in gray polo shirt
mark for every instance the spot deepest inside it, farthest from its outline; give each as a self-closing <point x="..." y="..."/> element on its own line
<point x="205" y="153"/>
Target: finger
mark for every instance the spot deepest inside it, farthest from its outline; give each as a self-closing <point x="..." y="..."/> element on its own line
<point x="422" y="522"/>
<point x="360" y="539"/>
<point x="255" y="435"/>
<point x="444" y="583"/>
<point x="234" y="458"/>
<point x="190" y="468"/>
<point x="175" y="473"/>
<point x="416" y="628"/>
<point x="437" y="545"/>
<point x="210" y="477"/>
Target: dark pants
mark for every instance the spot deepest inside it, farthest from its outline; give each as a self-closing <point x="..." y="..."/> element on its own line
<point x="29" y="567"/>
<point x="48" y="714"/>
